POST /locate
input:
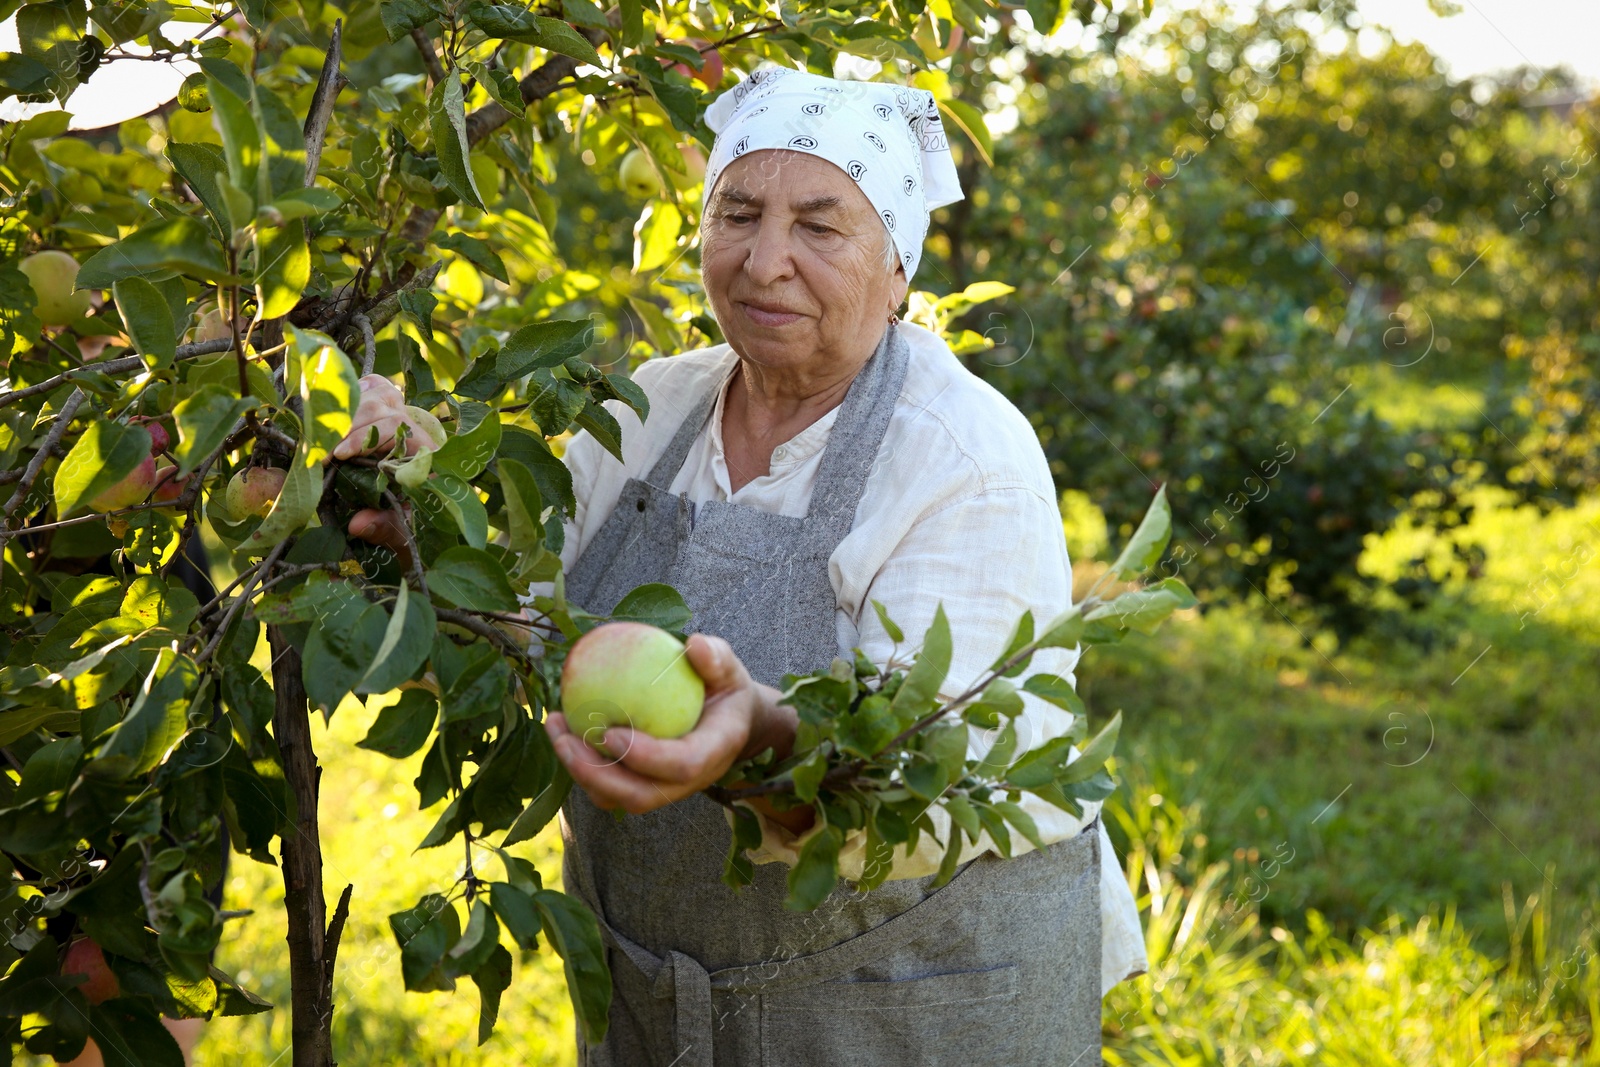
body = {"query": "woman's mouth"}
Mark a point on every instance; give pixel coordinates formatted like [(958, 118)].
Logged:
[(769, 316)]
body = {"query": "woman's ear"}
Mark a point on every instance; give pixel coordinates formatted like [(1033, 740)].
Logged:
[(899, 285)]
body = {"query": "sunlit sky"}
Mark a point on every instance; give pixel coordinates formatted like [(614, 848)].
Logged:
[(1486, 36)]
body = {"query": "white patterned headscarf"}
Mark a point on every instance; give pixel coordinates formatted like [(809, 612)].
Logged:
[(889, 138)]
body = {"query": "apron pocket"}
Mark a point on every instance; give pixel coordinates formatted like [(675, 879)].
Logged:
[(959, 1019)]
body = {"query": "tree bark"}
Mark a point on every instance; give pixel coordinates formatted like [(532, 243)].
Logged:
[(310, 955)]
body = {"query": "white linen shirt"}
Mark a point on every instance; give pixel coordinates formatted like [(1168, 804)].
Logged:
[(959, 510)]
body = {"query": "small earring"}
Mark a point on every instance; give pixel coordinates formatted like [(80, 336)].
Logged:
[(893, 318)]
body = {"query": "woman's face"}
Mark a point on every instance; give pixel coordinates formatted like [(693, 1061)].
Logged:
[(793, 261)]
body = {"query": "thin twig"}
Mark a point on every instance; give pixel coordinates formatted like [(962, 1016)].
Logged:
[(113, 366), (469, 621), (368, 340), (384, 311), (329, 82), (430, 58), (244, 595), (52, 439)]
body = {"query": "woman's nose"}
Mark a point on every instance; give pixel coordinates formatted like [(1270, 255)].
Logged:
[(771, 252)]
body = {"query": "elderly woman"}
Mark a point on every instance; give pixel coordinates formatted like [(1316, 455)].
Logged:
[(824, 457)]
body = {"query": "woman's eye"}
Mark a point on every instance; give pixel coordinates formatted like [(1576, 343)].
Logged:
[(819, 229)]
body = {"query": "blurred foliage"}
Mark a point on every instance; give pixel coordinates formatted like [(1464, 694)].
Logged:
[(1247, 242)]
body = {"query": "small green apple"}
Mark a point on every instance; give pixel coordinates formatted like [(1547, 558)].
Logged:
[(630, 674), (638, 175), (53, 273)]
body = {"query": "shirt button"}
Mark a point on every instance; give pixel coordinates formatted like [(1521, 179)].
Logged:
[(780, 452)]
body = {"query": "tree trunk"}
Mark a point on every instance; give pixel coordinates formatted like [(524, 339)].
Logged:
[(313, 944)]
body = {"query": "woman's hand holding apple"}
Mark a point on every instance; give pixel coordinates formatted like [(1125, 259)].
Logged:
[(740, 719)]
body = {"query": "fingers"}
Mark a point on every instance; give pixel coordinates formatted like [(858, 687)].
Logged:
[(697, 758), (609, 784), (714, 661), (355, 442), (383, 528)]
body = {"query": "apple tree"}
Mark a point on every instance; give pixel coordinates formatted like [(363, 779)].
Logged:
[(344, 275)]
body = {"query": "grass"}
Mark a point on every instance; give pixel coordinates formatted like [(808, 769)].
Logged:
[(1381, 854)]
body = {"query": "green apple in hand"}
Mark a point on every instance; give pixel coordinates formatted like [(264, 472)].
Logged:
[(630, 674)]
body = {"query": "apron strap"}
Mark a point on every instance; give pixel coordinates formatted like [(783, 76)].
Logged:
[(666, 468), (853, 445)]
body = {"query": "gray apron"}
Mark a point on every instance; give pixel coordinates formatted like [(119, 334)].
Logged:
[(1001, 966)]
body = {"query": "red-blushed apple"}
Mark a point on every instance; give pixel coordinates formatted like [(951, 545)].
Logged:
[(84, 957), (694, 165), (53, 274), (169, 487), (710, 72), (133, 488), (638, 175), (253, 491), (630, 674)]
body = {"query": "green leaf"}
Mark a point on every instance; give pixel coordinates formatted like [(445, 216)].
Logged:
[(479, 688), (424, 934), (402, 728), (283, 267), (502, 86), (544, 344), (448, 124), (969, 120), (921, 686), (235, 120), (202, 166), (205, 418), (602, 426), (21, 75), (808, 774), (1149, 540), (183, 245), (951, 860), (816, 873), (477, 252), (632, 23), (466, 454), (523, 505), (148, 318), (107, 452), (888, 624), (572, 929), (407, 640), (471, 578), (1021, 820), (328, 388), (519, 913), (1056, 690), (656, 604), (156, 721), (400, 17), (131, 1035), (1094, 754), (1020, 637), (338, 650), (460, 501), (550, 474), (1063, 631), (493, 978), (151, 602), (49, 33), (655, 236), (1143, 609), (963, 816), (998, 758), (540, 810), (557, 36)]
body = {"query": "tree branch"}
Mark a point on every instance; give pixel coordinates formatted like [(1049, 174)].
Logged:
[(329, 82), (384, 311), (114, 366), (430, 58), (52, 439)]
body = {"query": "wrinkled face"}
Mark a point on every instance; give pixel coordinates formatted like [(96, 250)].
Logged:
[(793, 259)]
